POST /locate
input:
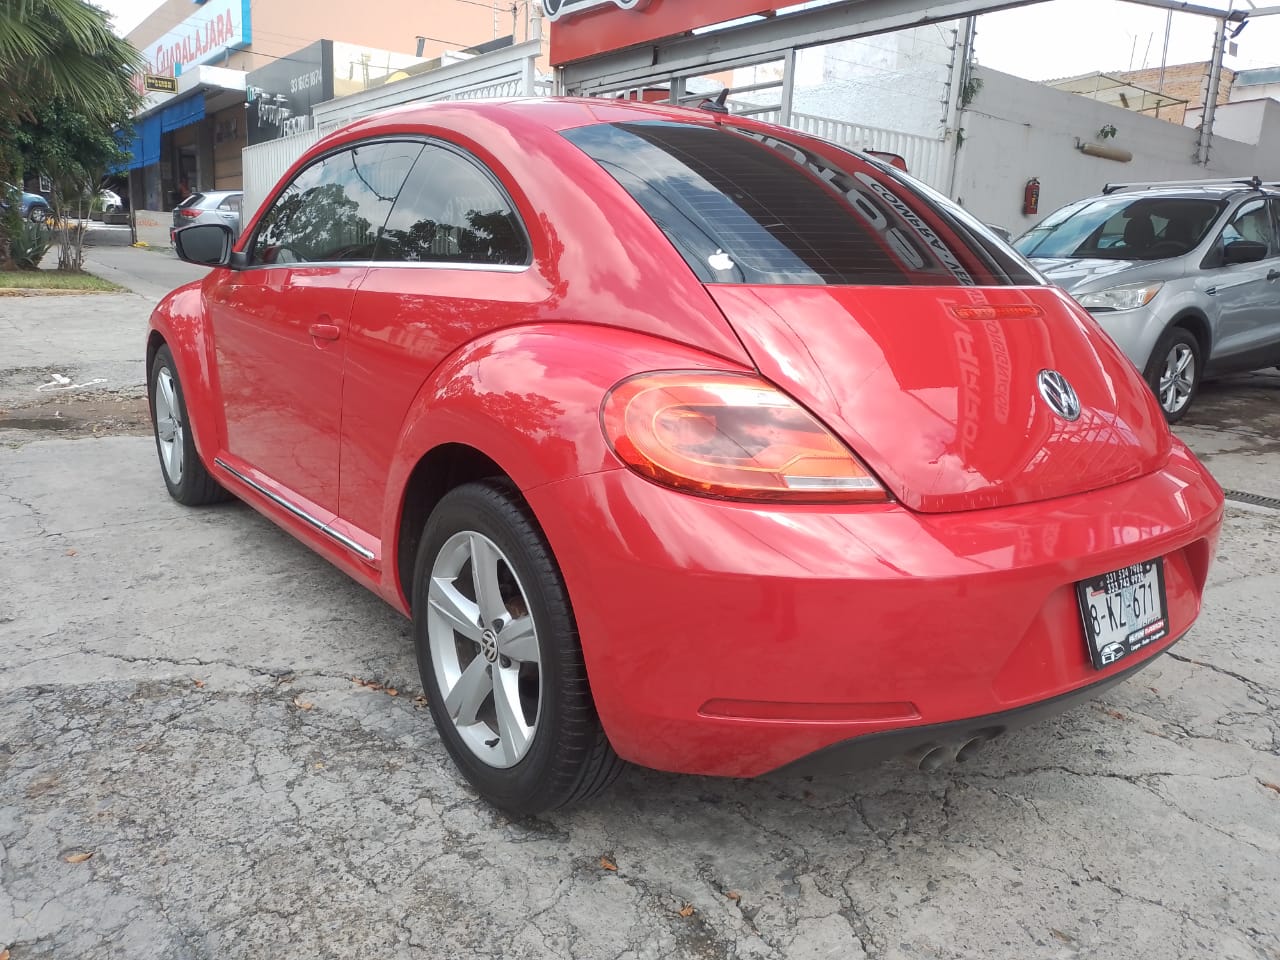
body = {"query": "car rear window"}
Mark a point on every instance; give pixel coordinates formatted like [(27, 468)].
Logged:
[(192, 201), (744, 207)]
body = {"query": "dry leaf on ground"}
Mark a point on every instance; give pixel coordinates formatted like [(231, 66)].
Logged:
[(687, 910), (4, 954), (376, 687), (80, 857), (734, 895), (1270, 786), (608, 863), (199, 683), (302, 704), (71, 553)]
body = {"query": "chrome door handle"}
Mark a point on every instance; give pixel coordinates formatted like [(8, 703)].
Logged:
[(1274, 275), (1212, 291), (324, 331)]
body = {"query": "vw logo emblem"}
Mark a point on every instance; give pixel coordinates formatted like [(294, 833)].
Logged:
[(1059, 394)]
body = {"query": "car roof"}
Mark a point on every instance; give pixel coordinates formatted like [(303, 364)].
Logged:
[(553, 113), (1221, 191)]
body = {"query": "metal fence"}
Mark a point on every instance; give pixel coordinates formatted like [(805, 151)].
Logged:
[(504, 73), (927, 159)]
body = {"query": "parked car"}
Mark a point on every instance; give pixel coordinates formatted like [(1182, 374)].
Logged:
[(34, 207), (212, 206), (1186, 278), (683, 439)]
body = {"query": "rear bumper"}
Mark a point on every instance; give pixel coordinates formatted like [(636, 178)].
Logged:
[(734, 639), (941, 742)]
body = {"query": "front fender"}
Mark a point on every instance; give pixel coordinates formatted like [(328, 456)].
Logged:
[(179, 320), (529, 399)]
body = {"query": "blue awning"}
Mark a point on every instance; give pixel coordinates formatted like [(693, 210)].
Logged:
[(182, 114), (144, 148)]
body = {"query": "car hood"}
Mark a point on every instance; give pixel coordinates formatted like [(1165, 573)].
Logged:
[(1073, 275), (936, 389)]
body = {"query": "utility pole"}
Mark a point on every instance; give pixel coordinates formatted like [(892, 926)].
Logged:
[(1204, 142), (1164, 57)]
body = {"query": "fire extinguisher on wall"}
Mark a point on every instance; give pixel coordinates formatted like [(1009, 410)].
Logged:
[(1031, 197)]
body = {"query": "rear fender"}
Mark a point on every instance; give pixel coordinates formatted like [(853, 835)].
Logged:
[(529, 399)]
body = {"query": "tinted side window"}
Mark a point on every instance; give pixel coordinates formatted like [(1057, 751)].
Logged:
[(1251, 222), (334, 208), (232, 203), (743, 207), (451, 211)]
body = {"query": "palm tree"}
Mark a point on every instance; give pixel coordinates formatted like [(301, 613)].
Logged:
[(63, 50), (57, 57)]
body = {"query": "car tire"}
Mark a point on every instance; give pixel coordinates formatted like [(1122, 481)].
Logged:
[(38, 214), (185, 475), (499, 656), (1175, 370)]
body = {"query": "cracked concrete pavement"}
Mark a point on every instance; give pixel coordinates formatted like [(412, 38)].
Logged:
[(178, 698)]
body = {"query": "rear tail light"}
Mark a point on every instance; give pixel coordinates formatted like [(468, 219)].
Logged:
[(732, 436), (189, 212)]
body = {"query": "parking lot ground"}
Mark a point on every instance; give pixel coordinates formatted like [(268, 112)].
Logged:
[(213, 745)]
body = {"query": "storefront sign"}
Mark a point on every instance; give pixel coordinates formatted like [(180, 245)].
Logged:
[(280, 95), (219, 26), (155, 83), (555, 9), (617, 24)]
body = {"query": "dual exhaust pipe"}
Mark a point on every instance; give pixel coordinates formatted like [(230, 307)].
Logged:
[(934, 756)]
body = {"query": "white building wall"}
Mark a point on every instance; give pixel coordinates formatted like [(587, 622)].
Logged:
[(896, 81), (1242, 121), (1016, 129), (1255, 91)]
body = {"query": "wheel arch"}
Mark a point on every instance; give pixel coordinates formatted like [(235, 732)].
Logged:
[(1197, 323), (177, 323), (441, 469)]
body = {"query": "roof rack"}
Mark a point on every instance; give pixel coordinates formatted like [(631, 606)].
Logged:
[(1250, 183)]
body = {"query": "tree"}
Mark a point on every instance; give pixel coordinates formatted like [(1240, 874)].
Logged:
[(63, 75), (62, 50), (74, 151)]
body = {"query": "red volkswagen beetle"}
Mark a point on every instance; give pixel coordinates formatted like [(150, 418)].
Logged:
[(684, 440)]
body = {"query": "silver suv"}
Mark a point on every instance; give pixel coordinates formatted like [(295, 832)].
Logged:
[(1184, 276)]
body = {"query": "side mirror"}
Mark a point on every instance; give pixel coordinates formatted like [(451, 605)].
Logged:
[(1244, 251), (206, 244)]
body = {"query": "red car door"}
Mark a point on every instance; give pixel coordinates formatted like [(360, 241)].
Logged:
[(452, 263), (279, 325)]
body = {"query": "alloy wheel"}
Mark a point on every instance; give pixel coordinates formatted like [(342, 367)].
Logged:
[(169, 427), (484, 649), (1178, 380)]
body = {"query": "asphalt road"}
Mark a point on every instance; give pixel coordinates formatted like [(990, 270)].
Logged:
[(201, 754)]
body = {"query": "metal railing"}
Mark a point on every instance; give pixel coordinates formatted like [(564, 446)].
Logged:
[(927, 159)]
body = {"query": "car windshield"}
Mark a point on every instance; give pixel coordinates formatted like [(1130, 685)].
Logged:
[(747, 207), (1122, 227)]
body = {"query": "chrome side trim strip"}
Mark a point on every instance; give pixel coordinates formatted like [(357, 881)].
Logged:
[(296, 511), (384, 264)]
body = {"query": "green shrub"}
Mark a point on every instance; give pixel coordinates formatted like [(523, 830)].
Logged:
[(29, 245)]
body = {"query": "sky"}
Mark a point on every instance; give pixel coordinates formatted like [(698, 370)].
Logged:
[(1059, 38), (1063, 38)]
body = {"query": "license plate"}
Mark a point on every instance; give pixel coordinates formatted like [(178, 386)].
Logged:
[(1123, 611)]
